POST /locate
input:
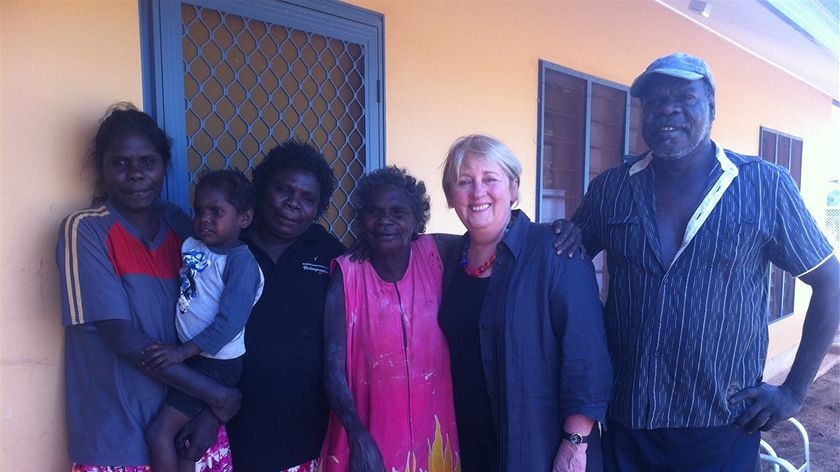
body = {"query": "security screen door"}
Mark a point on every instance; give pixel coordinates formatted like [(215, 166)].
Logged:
[(229, 80)]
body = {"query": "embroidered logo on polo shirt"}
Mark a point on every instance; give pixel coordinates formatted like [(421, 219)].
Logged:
[(321, 269)]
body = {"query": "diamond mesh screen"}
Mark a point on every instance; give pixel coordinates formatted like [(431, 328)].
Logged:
[(250, 85)]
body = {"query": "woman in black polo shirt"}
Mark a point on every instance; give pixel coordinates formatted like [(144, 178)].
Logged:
[(284, 411)]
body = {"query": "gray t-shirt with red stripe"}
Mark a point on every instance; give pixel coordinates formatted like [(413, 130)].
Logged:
[(109, 272)]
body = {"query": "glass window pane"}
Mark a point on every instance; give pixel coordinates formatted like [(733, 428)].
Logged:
[(569, 137), (606, 141), (785, 151), (637, 142), (767, 146), (563, 145), (796, 160)]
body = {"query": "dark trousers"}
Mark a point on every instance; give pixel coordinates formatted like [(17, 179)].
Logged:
[(595, 450), (717, 449)]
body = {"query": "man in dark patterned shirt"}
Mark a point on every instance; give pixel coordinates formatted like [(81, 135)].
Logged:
[(690, 231)]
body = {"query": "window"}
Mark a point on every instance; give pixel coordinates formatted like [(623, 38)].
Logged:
[(229, 80), (786, 151), (585, 127)]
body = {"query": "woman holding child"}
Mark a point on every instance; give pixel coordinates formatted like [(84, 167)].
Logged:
[(119, 262)]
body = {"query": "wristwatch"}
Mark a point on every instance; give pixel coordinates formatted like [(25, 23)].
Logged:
[(575, 438)]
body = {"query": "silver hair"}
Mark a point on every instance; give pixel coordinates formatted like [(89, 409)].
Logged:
[(483, 146)]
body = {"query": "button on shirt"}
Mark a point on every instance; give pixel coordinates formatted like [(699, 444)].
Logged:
[(685, 337)]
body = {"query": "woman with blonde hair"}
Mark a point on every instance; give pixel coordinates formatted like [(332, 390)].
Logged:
[(530, 367)]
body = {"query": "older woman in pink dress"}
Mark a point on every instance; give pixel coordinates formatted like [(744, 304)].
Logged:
[(387, 363)]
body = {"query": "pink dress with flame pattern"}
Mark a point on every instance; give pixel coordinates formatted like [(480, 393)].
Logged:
[(398, 367)]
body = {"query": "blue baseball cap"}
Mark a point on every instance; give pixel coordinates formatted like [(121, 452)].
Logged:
[(679, 65)]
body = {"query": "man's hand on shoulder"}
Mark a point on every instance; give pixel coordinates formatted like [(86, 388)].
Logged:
[(569, 240), (768, 405)]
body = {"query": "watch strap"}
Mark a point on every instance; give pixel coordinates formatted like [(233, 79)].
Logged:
[(575, 438)]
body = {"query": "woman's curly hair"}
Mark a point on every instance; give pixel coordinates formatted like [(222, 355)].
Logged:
[(294, 155), (395, 177)]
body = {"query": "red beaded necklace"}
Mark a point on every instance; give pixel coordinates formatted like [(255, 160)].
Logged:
[(465, 262)]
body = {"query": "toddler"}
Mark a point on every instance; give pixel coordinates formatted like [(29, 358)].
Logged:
[(220, 283)]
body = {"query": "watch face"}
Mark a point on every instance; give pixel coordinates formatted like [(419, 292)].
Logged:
[(575, 438)]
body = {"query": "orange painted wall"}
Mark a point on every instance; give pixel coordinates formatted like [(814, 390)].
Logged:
[(452, 67), (459, 67), (61, 64)]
